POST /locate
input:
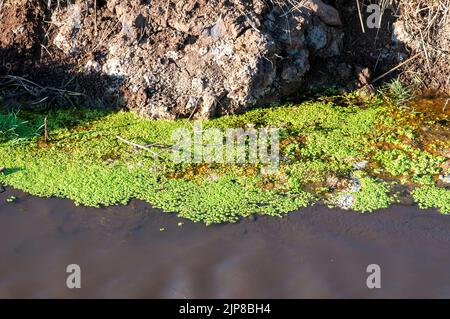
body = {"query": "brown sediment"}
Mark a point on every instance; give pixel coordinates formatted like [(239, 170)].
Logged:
[(315, 252), (433, 106), (436, 110), (429, 116)]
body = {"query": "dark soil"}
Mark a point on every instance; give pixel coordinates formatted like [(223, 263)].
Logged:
[(365, 55)]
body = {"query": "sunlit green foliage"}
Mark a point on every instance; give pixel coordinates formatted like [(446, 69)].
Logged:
[(430, 196), (373, 195), (84, 161)]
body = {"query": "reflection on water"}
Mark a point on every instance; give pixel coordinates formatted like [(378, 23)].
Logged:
[(435, 107), (432, 120), (317, 252)]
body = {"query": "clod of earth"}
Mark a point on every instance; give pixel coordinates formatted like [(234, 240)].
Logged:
[(182, 58)]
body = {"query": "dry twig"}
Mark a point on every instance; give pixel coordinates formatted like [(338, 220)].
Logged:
[(138, 146)]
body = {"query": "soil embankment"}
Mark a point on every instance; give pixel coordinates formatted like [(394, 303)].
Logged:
[(200, 59)]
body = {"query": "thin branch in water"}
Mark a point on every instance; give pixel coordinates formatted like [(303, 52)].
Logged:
[(138, 146)]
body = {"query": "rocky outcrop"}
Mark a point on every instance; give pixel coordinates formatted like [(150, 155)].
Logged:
[(193, 58)]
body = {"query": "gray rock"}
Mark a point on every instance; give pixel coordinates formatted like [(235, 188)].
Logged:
[(317, 37), (445, 178), (360, 165), (345, 201), (218, 30), (241, 51), (325, 12), (68, 24)]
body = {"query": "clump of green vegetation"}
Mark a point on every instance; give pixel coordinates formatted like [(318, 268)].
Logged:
[(399, 92), (371, 196), (83, 159), (398, 162), (13, 129), (227, 199), (430, 196)]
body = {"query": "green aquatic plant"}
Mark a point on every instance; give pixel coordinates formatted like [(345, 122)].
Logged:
[(371, 196), (224, 200), (84, 160), (430, 196), (396, 162), (414, 163)]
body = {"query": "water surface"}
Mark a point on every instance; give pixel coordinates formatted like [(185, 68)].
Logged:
[(315, 252)]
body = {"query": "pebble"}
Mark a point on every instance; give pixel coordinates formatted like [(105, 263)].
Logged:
[(360, 165), (445, 178), (345, 201)]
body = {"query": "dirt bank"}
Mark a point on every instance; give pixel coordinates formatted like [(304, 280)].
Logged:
[(169, 59), (316, 252), (203, 58)]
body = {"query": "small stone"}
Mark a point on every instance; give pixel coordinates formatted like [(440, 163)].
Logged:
[(325, 12), (317, 37), (218, 30), (345, 201), (360, 165), (11, 199), (92, 66), (355, 184), (445, 178)]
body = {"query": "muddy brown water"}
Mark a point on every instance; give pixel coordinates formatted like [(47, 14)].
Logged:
[(315, 252)]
